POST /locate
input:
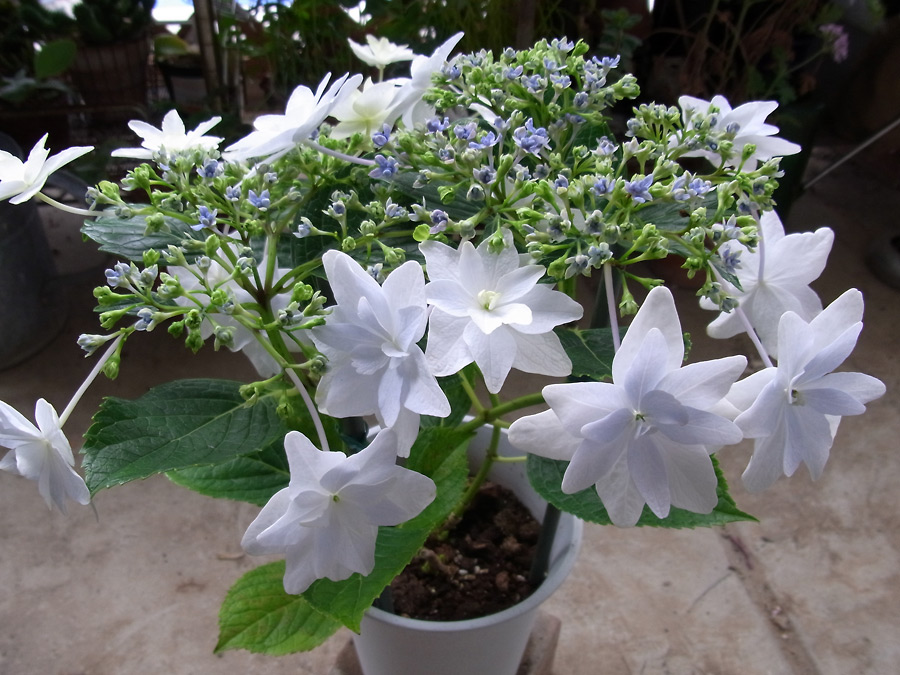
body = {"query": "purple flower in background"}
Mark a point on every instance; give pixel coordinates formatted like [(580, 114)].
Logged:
[(837, 40)]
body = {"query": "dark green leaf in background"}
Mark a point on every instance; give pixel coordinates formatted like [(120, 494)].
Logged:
[(128, 237), (591, 351)]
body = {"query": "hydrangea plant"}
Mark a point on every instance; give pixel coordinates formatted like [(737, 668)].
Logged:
[(390, 251)]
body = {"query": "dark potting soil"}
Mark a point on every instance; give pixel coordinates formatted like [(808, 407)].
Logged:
[(479, 567)]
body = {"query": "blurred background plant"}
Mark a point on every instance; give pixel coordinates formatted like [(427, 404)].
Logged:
[(746, 49)]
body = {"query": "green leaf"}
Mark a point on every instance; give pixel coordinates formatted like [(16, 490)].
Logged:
[(671, 216), (259, 616), (346, 601), (174, 426), (546, 477), (295, 251), (591, 351), (54, 58), (128, 237), (252, 478), (459, 208)]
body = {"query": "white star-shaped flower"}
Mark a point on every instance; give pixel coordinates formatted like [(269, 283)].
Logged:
[(380, 52), (365, 111), (170, 139), (490, 310), (410, 105), (20, 181), (646, 436), (375, 366), (775, 279), (793, 409), (41, 453), (326, 521), (275, 135), (747, 122)]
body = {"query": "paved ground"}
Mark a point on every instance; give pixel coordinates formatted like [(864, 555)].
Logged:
[(812, 589)]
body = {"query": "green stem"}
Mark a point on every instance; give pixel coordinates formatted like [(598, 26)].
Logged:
[(68, 209), (478, 479), (470, 392), (76, 397)]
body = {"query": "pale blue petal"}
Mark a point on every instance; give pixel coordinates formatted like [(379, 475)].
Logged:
[(493, 353), (703, 429), (541, 354), (549, 309), (830, 356), (809, 440), (579, 403), (756, 421), (447, 351), (648, 471), (620, 495), (542, 434), (692, 478), (658, 311), (518, 282), (441, 261), (767, 462), (592, 462), (831, 402), (700, 385), (647, 367), (863, 388)]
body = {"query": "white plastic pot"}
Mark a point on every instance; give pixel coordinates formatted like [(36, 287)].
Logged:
[(491, 645)]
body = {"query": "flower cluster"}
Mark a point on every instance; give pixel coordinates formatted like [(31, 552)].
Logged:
[(391, 250)]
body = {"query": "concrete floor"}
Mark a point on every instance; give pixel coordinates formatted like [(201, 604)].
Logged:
[(812, 588)]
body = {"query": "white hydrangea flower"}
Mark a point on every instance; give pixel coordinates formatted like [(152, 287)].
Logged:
[(748, 122), (326, 521), (410, 106), (275, 135), (773, 282), (375, 366), (793, 409), (171, 138), (20, 181), (490, 310), (380, 52), (41, 453), (367, 110), (645, 437)]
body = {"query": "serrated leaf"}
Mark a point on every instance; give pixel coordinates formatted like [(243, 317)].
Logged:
[(546, 477), (346, 601), (591, 351), (672, 216), (252, 478), (128, 237), (259, 616), (459, 209), (174, 426)]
